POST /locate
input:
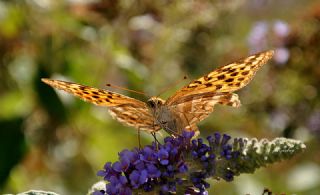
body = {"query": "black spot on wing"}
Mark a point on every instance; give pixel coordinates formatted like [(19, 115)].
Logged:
[(245, 73), (95, 92), (234, 74), (221, 77), (231, 70), (218, 86), (229, 80)]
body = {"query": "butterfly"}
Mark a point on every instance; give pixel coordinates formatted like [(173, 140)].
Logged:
[(183, 110)]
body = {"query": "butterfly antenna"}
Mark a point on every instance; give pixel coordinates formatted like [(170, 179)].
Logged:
[(126, 89), (170, 86)]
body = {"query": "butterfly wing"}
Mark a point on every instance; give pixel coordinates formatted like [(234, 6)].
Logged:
[(197, 99), (195, 109), (126, 110), (136, 117), (227, 78)]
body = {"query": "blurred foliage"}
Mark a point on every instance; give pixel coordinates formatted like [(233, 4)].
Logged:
[(52, 141)]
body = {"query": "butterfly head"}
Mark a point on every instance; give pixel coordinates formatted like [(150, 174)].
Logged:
[(155, 102)]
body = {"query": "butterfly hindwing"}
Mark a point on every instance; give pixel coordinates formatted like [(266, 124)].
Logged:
[(137, 117), (200, 107)]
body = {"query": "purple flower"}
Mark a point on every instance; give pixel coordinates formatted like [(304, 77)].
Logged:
[(120, 166), (153, 171), (225, 139), (261, 38), (281, 29), (130, 156), (183, 168), (163, 156), (107, 172), (149, 155), (117, 185), (281, 55), (257, 38), (138, 178), (167, 165)]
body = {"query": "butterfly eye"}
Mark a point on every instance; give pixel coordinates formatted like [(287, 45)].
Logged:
[(151, 104)]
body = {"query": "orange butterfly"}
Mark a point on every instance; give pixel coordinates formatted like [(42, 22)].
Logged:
[(187, 107)]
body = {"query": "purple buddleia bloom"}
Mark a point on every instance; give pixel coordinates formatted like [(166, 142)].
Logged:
[(153, 171), (120, 165), (116, 185), (217, 137), (107, 172), (281, 55), (183, 168), (264, 35), (131, 156), (138, 178), (225, 139), (257, 38), (281, 28), (139, 165), (187, 135), (149, 155), (179, 165), (163, 156)]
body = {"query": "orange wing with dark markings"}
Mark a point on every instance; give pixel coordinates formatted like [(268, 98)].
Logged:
[(228, 78), (196, 100), (126, 110)]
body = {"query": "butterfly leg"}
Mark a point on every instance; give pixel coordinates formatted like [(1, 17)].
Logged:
[(172, 132), (155, 139)]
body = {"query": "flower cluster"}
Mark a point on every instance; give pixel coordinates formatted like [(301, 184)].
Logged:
[(180, 165)]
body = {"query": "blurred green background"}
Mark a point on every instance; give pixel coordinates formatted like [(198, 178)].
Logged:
[(53, 141)]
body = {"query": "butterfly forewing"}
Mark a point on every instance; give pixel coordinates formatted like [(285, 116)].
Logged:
[(94, 95), (127, 110), (227, 78)]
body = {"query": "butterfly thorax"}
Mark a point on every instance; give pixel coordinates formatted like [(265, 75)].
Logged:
[(165, 116), (156, 106)]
